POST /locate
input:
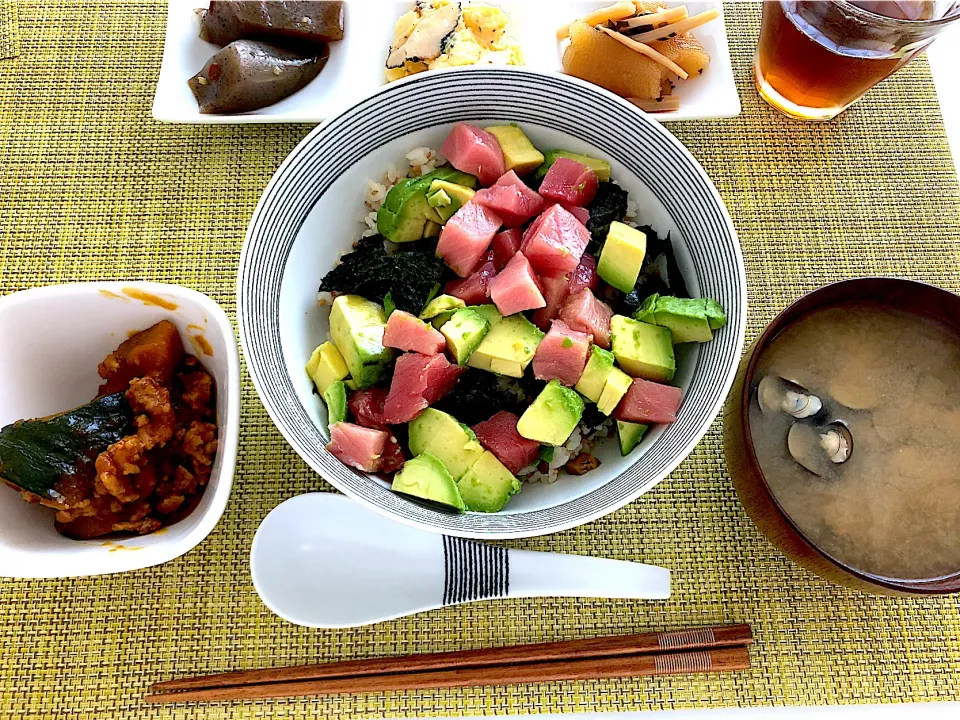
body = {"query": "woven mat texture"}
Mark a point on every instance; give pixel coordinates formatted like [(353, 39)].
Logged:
[(92, 188)]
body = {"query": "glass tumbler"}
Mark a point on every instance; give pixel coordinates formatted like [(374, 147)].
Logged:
[(815, 58)]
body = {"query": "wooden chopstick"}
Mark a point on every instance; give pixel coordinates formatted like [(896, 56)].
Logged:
[(619, 645), (697, 661)]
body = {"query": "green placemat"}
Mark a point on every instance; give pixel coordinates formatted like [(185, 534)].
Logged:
[(91, 187)]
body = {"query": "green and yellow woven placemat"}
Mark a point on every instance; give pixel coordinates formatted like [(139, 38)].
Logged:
[(92, 188)]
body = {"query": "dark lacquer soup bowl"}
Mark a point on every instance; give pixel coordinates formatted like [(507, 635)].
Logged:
[(781, 498)]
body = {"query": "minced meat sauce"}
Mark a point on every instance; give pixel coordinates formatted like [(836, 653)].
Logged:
[(155, 475)]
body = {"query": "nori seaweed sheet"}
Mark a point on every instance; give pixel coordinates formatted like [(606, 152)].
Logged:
[(409, 275), (609, 204), (592, 417), (477, 396), (659, 273)]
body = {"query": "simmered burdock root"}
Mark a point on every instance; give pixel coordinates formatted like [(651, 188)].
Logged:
[(153, 353), (309, 21), (249, 75)]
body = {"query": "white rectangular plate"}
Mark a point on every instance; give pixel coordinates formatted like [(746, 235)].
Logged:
[(355, 68)]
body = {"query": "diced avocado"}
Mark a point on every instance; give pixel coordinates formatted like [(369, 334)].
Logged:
[(489, 312), (356, 326), (616, 387), (438, 198), (432, 229), (402, 228), (546, 453), (440, 320), (600, 167), (622, 256), (456, 191), (445, 198), (552, 416), (326, 366), (645, 313), (519, 154), (335, 397), (388, 305), (643, 350), (351, 384), (487, 486), (508, 348), (441, 304), (426, 478), (595, 374), (686, 319), (629, 435), (404, 213), (451, 442), (716, 316), (464, 333)]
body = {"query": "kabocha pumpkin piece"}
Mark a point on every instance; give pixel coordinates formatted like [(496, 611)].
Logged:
[(153, 353), (248, 75), (38, 455), (133, 460), (310, 21)]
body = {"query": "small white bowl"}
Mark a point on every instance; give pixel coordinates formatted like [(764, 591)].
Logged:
[(55, 338)]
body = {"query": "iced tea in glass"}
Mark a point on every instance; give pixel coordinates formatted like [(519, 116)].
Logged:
[(815, 58)]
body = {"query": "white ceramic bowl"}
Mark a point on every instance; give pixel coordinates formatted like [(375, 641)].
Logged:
[(55, 338), (309, 215)]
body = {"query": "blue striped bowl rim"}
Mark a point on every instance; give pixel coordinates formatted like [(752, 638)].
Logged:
[(552, 101)]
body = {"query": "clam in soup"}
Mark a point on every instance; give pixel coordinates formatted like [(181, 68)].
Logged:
[(855, 423)]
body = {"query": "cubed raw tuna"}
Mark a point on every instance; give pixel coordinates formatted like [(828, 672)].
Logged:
[(580, 213), (648, 403), (393, 457), (506, 244), (407, 333), (512, 200), (569, 182), (366, 406), (556, 243), (556, 290), (466, 237), (516, 289), (585, 276), (359, 447), (582, 311), (473, 150), (418, 382), (475, 288), (561, 355), (499, 435)]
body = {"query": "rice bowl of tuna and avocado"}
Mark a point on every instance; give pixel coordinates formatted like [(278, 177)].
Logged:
[(491, 309), (489, 263)]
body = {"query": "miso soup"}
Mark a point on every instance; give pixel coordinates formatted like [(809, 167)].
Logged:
[(886, 501)]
